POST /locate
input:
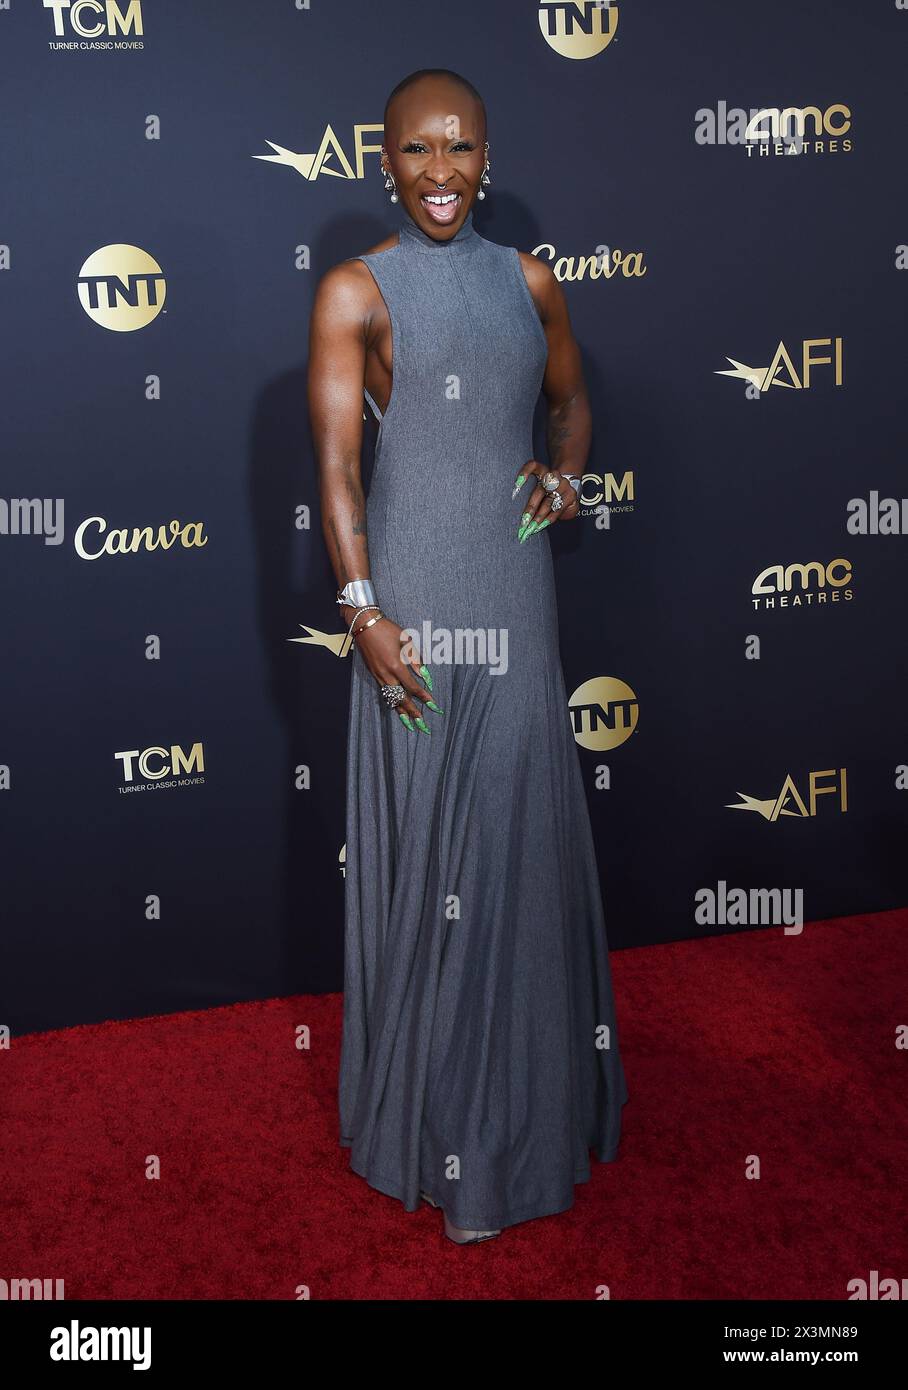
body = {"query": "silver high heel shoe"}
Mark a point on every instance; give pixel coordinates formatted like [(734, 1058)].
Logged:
[(457, 1233)]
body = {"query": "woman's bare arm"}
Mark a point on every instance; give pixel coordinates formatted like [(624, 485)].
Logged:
[(338, 343), (570, 421), (337, 359)]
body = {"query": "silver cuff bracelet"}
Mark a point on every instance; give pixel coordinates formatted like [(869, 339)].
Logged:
[(357, 594)]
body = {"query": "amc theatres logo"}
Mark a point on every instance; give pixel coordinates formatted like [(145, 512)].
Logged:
[(154, 769), (803, 585)]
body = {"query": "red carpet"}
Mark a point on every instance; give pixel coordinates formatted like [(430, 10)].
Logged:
[(748, 1044)]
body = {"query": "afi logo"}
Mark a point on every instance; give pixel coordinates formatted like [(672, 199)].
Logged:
[(330, 157), (782, 371), (776, 806)]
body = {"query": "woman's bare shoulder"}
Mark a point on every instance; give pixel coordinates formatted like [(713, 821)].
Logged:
[(351, 282)]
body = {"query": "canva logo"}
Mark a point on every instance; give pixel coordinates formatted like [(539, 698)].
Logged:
[(789, 796), (602, 264), (93, 539), (604, 713), (90, 19), (578, 28), (781, 370), (121, 287)]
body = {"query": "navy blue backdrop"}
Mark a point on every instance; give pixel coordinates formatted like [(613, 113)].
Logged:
[(171, 759)]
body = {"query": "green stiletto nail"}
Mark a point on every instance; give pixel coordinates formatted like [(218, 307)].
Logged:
[(426, 675), (524, 523), (543, 524), (421, 724), (518, 485), (432, 705), (529, 531), (406, 720)]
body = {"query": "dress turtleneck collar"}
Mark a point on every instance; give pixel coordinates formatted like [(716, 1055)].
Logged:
[(463, 239)]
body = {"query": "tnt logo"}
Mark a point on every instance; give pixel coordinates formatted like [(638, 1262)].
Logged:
[(108, 18), (578, 28), (603, 713), (122, 288)]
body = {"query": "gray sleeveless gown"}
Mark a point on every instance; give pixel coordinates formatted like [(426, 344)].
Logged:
[(479, 1058)]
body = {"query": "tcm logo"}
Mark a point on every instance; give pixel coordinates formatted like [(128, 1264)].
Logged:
[(604, 489), (161, 767), (578, 28), (122, 288), (793, 124), (603, 713), (90, 19), (803, 583), (782, 371), (330, 158), (789, 797)]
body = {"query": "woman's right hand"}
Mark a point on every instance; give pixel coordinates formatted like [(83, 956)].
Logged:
[(382, 649)]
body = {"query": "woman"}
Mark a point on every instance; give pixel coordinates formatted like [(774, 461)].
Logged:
[(479, 1060)]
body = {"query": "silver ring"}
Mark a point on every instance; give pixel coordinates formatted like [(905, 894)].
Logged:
[(557, 502), (393, 695), (551, 482)]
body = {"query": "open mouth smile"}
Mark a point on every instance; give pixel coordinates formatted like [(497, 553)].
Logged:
[(441, 207)]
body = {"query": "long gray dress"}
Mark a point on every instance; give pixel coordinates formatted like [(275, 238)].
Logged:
[(480, 1058)]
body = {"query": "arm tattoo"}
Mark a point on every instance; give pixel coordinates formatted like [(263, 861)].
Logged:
[(358, 516), (558, 431)]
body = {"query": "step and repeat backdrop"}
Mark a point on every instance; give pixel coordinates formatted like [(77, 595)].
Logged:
[(721, 192)]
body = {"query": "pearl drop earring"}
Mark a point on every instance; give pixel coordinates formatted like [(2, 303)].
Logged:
[(485, 174), (390, 184)]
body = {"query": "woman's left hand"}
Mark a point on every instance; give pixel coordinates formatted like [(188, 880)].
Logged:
[(538, 510)]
